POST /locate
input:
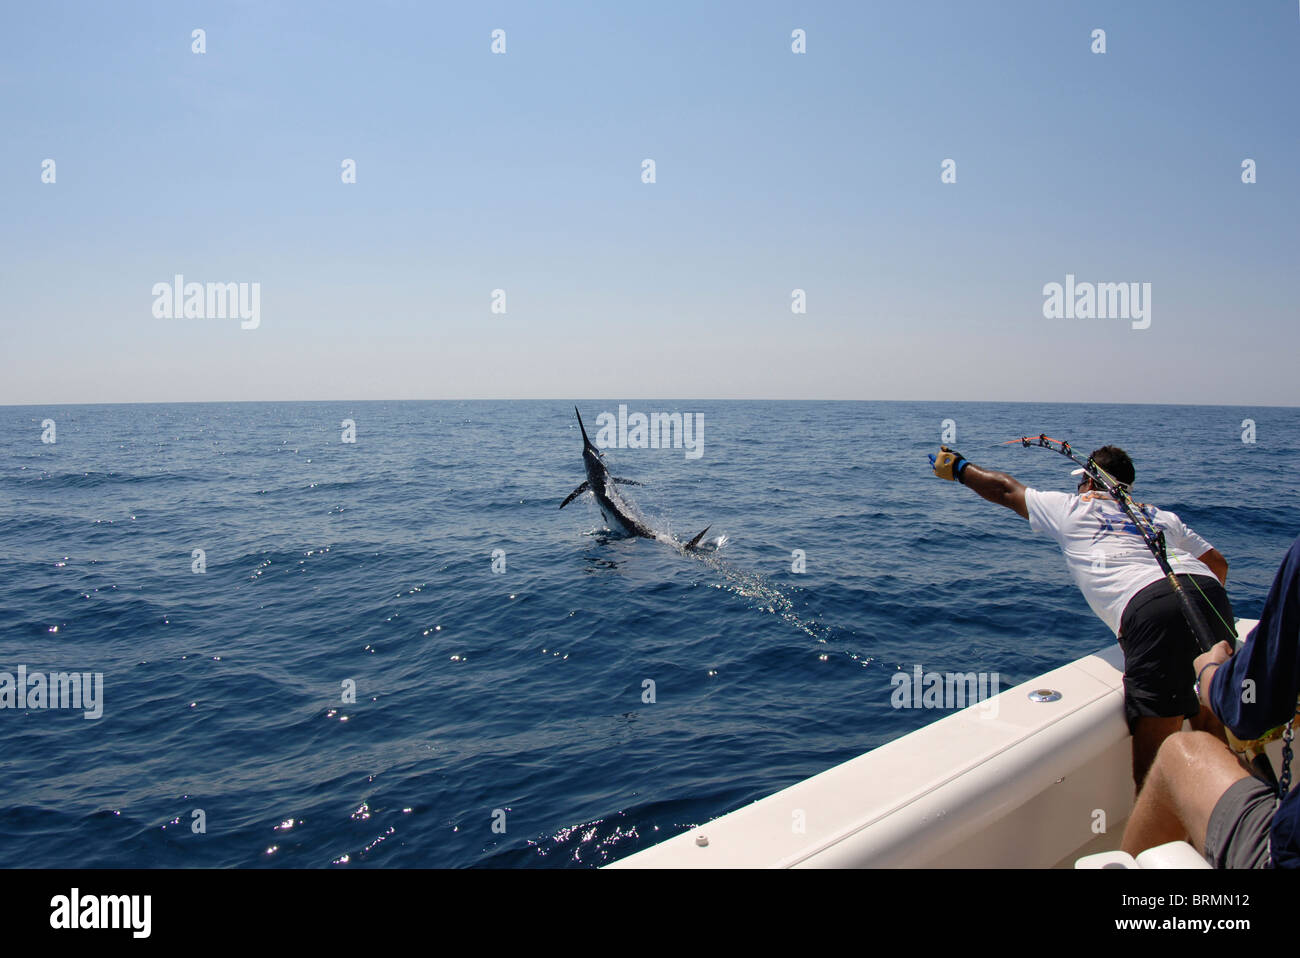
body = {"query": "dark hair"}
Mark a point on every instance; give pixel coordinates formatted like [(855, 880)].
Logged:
[(1114, 460)]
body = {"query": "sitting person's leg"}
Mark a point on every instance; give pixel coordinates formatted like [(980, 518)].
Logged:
[(1189, 776), (1197, 789)]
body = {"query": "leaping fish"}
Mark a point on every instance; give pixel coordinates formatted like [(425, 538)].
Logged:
[(601, 485)]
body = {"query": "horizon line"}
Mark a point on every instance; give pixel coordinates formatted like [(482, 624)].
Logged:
[(569, 399)]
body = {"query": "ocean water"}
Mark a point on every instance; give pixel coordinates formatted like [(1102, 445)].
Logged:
[(500, 717)]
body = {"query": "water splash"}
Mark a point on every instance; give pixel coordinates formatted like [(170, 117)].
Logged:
[(758, 591)]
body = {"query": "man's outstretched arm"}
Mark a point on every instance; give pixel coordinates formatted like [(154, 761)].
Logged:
[(994, 486)]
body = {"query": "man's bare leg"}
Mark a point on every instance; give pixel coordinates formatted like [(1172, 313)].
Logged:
[(1207, 721), (1189, 776), (1148, 732)]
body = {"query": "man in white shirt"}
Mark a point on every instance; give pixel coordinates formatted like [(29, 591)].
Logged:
[(1111, 564)]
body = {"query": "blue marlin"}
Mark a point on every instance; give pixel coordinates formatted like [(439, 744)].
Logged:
[(618, 516)]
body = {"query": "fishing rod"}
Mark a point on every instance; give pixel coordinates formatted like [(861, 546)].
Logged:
[(1151, 534), (1252, 750)]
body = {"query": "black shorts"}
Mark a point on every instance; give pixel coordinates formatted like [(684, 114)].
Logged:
[(1159, 647)]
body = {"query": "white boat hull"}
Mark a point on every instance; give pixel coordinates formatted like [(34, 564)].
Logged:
[(1008, 783)]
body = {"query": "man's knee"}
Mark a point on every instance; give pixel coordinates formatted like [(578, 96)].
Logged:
[(1186, 748)]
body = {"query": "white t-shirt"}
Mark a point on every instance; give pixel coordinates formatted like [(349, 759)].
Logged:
[(1106, 554)]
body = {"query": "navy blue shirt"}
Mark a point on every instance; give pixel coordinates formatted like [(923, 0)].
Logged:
[(1270, 658)]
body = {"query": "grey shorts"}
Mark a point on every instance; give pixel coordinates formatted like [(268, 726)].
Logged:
[(1237, 833)]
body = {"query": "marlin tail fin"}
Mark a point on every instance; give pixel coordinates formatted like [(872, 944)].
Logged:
[(696, 541)]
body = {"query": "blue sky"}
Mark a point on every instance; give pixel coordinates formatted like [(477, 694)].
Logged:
[(775, 171)]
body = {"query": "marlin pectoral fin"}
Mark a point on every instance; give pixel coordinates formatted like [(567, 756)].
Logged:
[(626, 482), (696, 541), (585, 487)]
